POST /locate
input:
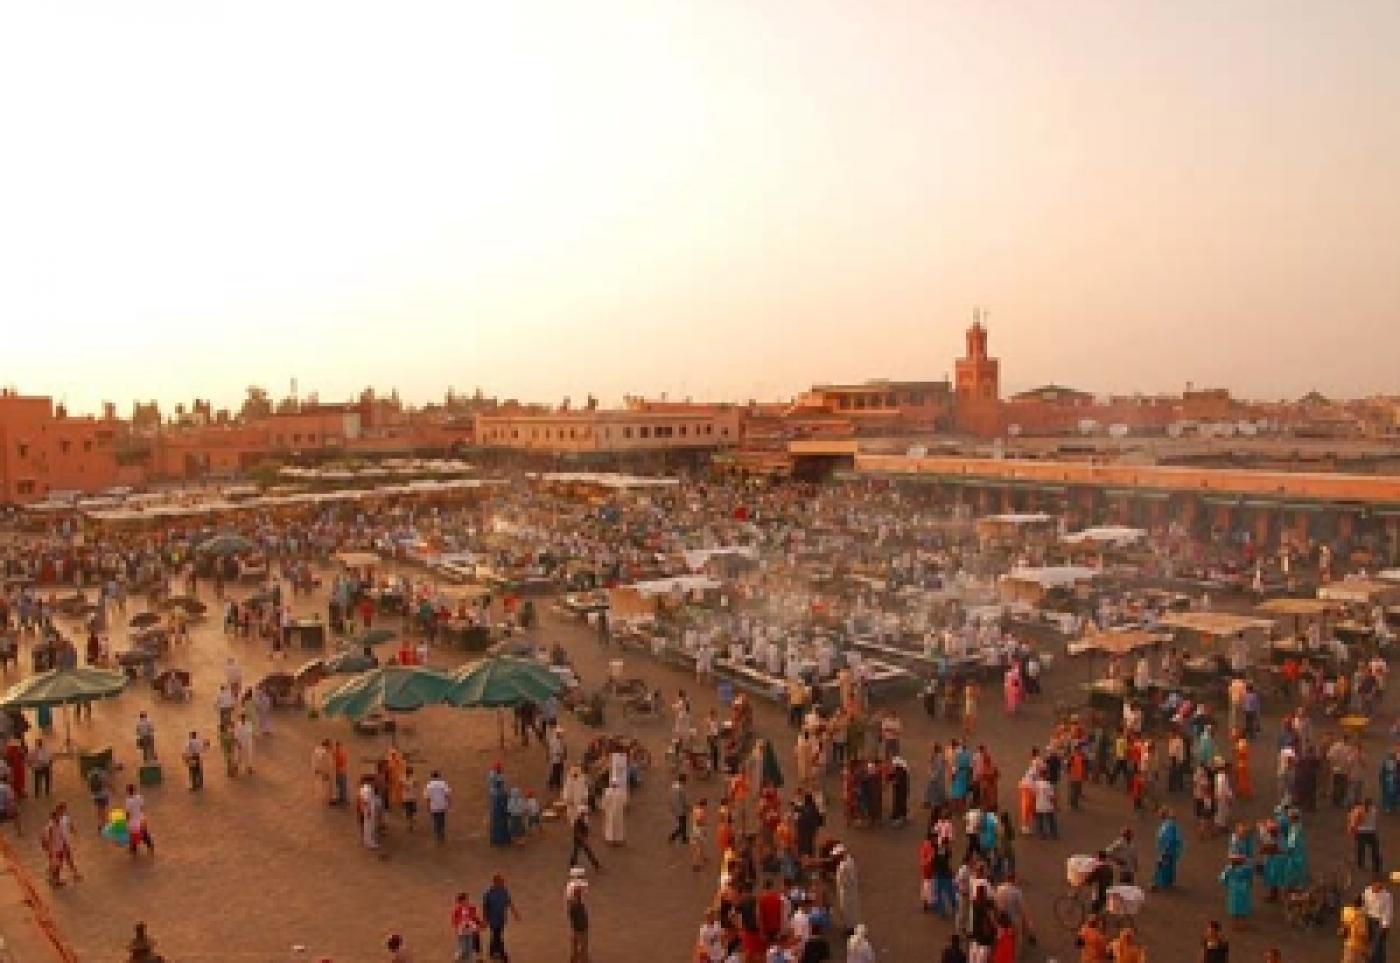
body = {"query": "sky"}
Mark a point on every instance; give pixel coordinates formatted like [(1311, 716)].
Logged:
[(722, 199)]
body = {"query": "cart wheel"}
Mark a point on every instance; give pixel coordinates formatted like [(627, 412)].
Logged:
[(1069, 911)]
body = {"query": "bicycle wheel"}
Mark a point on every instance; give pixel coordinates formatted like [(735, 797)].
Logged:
[(1069, 911)]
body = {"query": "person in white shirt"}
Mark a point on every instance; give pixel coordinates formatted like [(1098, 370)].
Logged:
[(138, 831), (1380, 911), (438, 795)]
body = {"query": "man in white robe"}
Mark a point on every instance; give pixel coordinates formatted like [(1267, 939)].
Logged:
[(614, 807)]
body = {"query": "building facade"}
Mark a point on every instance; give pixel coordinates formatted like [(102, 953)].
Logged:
[(43, 451), (612, 432)]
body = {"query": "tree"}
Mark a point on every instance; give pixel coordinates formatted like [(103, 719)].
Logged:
[(265, 473)]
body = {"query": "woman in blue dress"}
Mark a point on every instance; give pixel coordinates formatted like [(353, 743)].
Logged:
[(962, 773), (500, 809), (1238, 880), (1169, 847)]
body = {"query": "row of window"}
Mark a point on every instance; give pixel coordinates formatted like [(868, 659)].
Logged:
[(64, 446), (605, 434), (877, 401)]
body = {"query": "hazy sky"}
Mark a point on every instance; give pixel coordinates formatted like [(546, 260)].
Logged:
[(717, 199)]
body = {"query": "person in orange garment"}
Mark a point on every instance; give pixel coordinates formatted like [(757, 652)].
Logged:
[(1244, 788)]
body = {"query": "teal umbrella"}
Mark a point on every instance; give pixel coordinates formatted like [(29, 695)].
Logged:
[(62, 687), (502, 682), (373, 637), (389, 688)]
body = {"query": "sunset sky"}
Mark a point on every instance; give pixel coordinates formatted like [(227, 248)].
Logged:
[(715, 199)]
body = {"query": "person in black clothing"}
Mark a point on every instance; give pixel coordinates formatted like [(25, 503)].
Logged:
[(984, 919), (899, 792), (1101, 879), (953, 952), (817, 949), (1214, 947), (809, 821), (581, 830)]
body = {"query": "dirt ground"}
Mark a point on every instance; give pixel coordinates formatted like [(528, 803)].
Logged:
[(257, 868)]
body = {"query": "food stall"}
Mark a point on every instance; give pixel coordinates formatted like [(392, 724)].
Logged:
[(1230, 643), (1016, 529)]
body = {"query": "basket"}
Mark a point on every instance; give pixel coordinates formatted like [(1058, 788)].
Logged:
[(1078, 868), (1125, 900)]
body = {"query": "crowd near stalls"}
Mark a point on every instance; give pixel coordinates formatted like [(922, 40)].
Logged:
[(1158, 666)]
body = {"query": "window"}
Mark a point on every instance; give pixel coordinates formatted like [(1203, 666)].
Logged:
[(23, 450), (515, 434), (724, 432), (891, 401), (644, 431), (684, 430), (25, 488), (627, 433), (87, 446), (296, 438), (65, 446), (844, 403)]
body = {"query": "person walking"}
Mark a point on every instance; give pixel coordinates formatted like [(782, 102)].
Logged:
[(438, 794), (680, 812), (41, 763), (1363, 825), (498, 908), (580, 840), (576, 910), (146, 738), (466, 929), (138, 828), (1380, 912), (195, 748)]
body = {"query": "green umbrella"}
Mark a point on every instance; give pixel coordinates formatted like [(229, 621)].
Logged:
[(373, 637), (63, 687), (502, 682), (226, 545), (390, 688)]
